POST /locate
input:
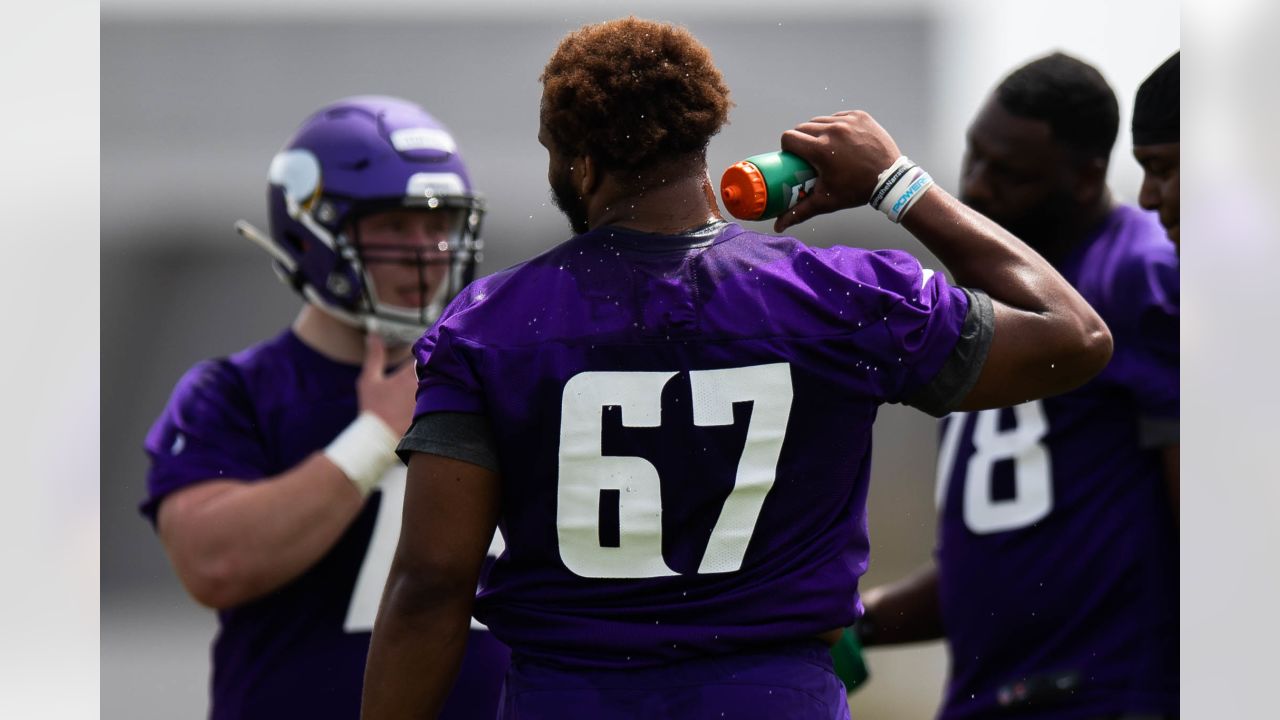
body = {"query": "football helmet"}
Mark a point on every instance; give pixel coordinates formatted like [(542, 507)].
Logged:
[(350, 159)]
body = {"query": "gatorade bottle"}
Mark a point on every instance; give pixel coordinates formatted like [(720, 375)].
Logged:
[(765, 186), (847, 658)]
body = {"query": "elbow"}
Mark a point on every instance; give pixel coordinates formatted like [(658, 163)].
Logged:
[(428, 589), (1091, 351), (1096, 348), (215, 581)]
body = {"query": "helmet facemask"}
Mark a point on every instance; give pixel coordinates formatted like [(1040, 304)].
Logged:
[(352, 160), (406, 285)]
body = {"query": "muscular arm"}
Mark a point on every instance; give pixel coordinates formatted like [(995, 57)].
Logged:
[(1047, 339), (232, 541), (904, 611), (450, 512)]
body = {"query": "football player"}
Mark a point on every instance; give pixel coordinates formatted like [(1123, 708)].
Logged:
[(669, 416), (1056, 574), (274, 484), (1156, 139)]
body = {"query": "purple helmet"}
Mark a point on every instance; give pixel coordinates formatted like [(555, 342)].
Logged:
[(352, 158)]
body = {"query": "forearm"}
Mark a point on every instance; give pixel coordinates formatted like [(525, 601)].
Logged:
[(450, 512), (981, 254), (417, 646), (905, 611), (233, 541)]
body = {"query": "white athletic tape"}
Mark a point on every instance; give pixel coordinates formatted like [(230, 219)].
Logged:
[(364, 451)]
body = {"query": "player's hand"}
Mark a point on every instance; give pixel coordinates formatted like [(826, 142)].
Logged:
[(390, 397), (849, 150)]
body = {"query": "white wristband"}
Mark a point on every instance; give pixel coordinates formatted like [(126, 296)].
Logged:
[(906, 193), (888, 179), (364, 451)]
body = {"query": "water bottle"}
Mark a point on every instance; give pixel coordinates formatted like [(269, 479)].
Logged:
[(765, 186), (847, 658)]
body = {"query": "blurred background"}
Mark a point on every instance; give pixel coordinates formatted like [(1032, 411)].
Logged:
[(197, 97)]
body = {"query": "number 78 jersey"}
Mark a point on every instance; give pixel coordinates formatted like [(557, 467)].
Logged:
[(683, 429), (1057, 549), (1057, 558)]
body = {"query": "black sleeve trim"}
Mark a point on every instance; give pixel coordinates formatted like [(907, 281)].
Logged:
[(961, 370), (461, 436)]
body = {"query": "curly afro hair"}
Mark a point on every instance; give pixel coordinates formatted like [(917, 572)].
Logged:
[(631, 93)]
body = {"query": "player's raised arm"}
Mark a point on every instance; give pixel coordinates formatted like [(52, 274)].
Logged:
[(231, 541), (1047, 339), (450, 512)]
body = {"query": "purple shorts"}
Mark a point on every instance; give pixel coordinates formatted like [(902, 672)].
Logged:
[(792, 681)]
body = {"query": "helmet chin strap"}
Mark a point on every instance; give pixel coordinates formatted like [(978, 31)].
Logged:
[(395, 333)]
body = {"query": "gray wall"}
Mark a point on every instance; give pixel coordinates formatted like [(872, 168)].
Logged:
[(191, 114)]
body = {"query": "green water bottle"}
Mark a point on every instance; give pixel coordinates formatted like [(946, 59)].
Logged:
[(847, 658), (765, 186)]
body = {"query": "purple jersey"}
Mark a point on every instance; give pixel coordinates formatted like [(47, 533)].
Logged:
[(786, 682), (683, 427), (1058, 550), (300, 650)]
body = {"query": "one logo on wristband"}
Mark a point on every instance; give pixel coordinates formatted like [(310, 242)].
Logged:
[(911, 191)]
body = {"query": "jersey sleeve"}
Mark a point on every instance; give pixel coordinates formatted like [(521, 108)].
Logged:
[(1143, 315), (461, 436), (208, 431), (930, 339), (447, 377)]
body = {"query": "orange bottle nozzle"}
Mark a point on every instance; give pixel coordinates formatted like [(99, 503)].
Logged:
[(743, 190)]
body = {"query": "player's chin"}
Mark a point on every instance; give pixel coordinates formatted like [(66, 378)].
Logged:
[(412, 297), (1172, 231)]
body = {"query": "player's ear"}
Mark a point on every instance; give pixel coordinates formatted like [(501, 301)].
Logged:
[(588, 178)]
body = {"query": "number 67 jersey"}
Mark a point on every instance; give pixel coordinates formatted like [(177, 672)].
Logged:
[(1058, 549), (683, 429)]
